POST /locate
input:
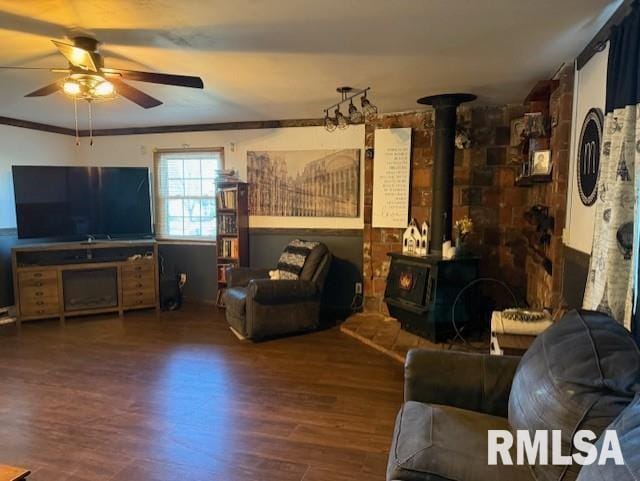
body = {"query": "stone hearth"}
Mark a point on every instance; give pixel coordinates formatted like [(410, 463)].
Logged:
[(384, 334)]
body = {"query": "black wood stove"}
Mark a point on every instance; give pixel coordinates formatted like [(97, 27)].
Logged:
[(421, 290)]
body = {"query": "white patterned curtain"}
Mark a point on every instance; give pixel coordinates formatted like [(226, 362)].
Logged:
[(614, 257)]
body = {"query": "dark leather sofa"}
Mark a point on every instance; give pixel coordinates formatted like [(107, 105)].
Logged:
[(258, 307), (581, 373)]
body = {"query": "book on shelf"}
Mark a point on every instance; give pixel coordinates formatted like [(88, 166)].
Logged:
[(229, 248), (227, 224), (227, 198)]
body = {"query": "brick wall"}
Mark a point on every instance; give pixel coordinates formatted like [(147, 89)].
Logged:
[(377, 242), (544, 290), (484, 190)]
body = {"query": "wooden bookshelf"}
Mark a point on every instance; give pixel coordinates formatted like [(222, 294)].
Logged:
[(232, 242)]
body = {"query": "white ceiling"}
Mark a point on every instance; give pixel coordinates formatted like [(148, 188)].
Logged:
[(283, 59)]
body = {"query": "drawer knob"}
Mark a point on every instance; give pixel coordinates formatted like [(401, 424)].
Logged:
[(40, 303), (39, 293), (37, 274)]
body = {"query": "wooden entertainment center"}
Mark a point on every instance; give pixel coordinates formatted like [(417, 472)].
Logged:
[(80, 278)]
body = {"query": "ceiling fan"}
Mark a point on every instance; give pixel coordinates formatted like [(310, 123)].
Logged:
[(88, 79)]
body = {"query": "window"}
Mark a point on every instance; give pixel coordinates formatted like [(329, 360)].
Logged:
[(185, 193)]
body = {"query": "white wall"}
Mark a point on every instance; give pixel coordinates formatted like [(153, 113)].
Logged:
[(589, 92), (137, 150), (20, 146)]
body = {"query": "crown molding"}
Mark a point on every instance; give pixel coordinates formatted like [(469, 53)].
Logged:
[(27, 124), (164, 129)]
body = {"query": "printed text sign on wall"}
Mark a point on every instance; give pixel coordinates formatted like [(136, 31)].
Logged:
[(391, 172)]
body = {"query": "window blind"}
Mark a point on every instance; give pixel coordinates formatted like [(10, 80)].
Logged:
[(185, 183)]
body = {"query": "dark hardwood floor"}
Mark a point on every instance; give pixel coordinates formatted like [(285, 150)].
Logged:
[(177, 396)]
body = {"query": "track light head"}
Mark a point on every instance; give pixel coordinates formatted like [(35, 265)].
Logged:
[(368, 109), (329, 123), (355, 116), (341, 120)]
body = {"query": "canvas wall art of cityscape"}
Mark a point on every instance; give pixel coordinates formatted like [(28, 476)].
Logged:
[(304, 183)]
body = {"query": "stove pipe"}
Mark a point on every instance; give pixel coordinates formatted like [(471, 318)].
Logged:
[(445, 106)]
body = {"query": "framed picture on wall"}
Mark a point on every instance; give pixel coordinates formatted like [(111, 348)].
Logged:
[(517, 132), (541, 165), (304, 183)]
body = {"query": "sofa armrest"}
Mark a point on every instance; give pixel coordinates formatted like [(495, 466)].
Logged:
[(477, 382), (266, 291), (240, 276)]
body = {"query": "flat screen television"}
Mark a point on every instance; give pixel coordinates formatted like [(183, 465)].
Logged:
[(73, 203)]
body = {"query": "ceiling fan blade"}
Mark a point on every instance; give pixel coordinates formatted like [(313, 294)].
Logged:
[(76, 56), (157, 78), (52, 69), (135, 95), (46, 90)]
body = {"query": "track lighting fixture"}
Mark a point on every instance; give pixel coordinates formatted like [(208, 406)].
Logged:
[(355, 116)]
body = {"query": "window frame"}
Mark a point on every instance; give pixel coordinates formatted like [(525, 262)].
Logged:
[(173, 239)]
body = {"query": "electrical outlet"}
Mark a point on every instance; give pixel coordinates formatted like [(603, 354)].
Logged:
[(358, 287)]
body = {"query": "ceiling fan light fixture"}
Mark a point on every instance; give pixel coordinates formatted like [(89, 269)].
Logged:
[(91, 87), (104, 89), (71, 88)]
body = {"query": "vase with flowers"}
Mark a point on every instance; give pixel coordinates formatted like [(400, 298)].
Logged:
[(462, 228)]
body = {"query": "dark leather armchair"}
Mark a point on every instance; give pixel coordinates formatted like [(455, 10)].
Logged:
[(258, 307), (451, 400), (581, 373)]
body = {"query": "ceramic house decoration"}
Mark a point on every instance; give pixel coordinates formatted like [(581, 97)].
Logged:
[(411, 239), (424, 239)]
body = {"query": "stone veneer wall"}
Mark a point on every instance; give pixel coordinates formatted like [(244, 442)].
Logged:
[(484, 190)]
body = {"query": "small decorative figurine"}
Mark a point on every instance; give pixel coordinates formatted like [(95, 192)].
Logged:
[(424, 241), (411, 239)]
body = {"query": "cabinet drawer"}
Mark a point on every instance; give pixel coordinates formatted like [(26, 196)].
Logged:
[(30, 277), (138, 267), (38, 282), (139, 276), (35, 293), (143, 282), (138, 297), (39, 308), (139, 303)]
